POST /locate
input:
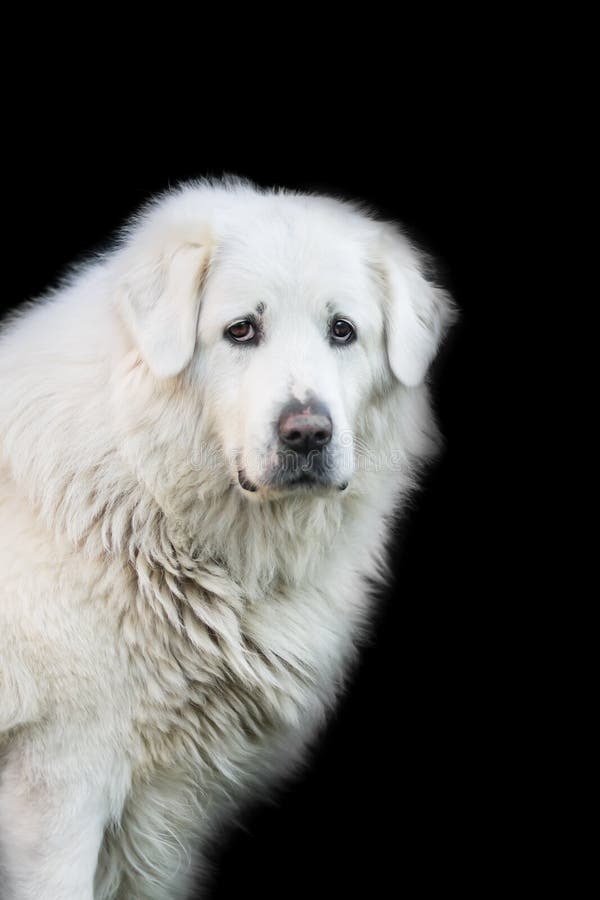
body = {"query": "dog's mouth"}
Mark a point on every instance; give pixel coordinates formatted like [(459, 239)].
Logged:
[(302, 479), (286, 471)]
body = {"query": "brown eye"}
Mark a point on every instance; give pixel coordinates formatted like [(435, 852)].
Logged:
[(342, 331), (242, 332)]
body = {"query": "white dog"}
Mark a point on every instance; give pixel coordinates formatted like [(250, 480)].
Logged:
[(203, 437)]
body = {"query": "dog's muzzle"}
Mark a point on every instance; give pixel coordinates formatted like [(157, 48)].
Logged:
[(303, 458)]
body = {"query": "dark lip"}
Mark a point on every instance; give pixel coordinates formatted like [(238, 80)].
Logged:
[(245, 482)]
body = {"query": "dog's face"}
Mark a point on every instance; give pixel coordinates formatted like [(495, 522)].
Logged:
[(294, 312), (290, 344)]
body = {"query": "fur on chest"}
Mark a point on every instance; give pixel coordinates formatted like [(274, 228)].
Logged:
[(216, 674)]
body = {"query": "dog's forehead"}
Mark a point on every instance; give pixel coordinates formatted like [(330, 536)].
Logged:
[(285, 259)]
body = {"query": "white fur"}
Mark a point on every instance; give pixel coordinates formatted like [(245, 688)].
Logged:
[(168, 641)]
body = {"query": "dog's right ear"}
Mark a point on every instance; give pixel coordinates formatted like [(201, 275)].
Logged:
[(159, 296)]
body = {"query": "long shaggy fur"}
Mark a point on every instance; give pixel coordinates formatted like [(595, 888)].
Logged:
[(169, 642)]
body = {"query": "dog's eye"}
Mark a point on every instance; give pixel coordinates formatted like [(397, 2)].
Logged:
[(342, 331), (242, 332)]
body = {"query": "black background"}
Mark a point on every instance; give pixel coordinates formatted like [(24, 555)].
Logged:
[(405, 787)]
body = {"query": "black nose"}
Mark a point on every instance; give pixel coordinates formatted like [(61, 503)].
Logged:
[(305, 426)]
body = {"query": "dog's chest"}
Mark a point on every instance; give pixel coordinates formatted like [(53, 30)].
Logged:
[(218, 681)]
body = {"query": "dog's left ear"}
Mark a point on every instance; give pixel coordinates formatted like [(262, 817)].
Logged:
[(418, 312), (160, 300)]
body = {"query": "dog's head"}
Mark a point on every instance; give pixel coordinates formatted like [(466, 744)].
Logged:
[(289, 313)]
